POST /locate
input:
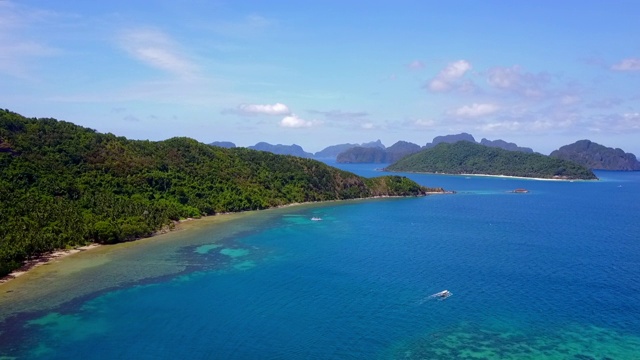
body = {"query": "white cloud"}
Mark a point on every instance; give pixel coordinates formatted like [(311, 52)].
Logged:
[(448, 77), (526, 120), (293, 121), (630, 64), (367, 126), (476, 110), (26, 49), (543, 125), (340, 115), (156, 49), (500, 126), (606, 103), (504, 77), (619, 123), (515, 80), (416, 65), (570, 100), (438, 85), (426, 123), (8, 15), (17, 46), (455, 69), (275, 109)]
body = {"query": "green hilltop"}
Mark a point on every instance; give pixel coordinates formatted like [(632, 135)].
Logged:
[(62, 185), (464, 157)]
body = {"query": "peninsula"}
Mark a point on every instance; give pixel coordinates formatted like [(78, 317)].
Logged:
[(64, 186), (464, 157)]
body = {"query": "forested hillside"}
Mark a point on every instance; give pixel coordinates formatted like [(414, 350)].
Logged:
[(63, 185), (465, 157)]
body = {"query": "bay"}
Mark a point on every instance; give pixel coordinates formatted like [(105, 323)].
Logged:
[(553, 273)]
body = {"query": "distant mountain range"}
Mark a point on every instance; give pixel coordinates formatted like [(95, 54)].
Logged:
[(370, 152), (468, 137), (583, 152), (596, 156), (378, 155), (501, 144), (223, 144), (280, 149), (403, 148), (331, 152), (450, 139)]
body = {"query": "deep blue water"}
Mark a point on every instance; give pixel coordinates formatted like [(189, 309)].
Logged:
[(554, 273)]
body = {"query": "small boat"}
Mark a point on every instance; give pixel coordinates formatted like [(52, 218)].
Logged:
[(442, 295), (316, 218)]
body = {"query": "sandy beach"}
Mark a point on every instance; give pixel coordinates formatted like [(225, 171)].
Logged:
[(45, 259), (501, 176), (520, 177)]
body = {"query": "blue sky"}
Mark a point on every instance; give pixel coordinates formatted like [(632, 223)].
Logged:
[(539, 73)]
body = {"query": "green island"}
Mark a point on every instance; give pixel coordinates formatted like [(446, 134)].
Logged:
[(464, 157), (63, 185)]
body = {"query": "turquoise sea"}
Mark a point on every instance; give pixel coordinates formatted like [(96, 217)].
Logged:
[(551, 274)]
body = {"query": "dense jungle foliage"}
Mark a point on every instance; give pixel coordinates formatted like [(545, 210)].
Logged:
[(62, 185), (464, 157)]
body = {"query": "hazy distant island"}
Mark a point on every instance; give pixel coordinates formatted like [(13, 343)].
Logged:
[(295, 150), (596, 156), (464, 157), (373, 152), (505, 145), (224, 144), (378, 155), (450, 139), (362, 155), (454, 138), (332, 152), (63, 185)]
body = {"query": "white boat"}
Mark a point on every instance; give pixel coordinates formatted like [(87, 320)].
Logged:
[(316, 218), (442, 295)]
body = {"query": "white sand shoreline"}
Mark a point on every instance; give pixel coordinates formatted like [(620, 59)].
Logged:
[(45, 259), (60, 254), (522, 177), (502, 176)]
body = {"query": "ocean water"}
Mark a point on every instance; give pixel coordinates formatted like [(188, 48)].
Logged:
[(551, 274)]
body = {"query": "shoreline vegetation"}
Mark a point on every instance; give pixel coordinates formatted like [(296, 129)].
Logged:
[(464, 157), (65, 186), (60, 254)]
